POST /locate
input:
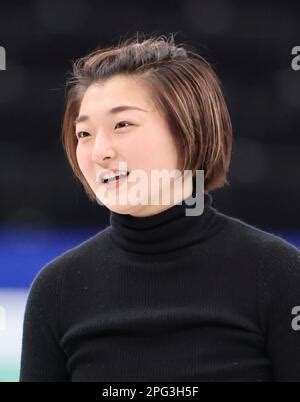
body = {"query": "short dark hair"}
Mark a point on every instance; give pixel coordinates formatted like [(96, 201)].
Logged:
[(185, 88)]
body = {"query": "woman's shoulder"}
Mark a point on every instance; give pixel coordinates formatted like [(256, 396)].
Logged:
[(243, 234), (49, 277)]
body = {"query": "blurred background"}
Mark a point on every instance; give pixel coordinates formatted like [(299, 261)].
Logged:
[(44, 210)]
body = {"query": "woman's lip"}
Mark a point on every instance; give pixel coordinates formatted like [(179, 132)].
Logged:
[(105, 173), (115, 183)]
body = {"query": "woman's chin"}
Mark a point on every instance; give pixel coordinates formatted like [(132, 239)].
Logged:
[(120, 209)]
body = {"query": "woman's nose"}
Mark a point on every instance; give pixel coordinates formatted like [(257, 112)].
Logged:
[(102, 149)]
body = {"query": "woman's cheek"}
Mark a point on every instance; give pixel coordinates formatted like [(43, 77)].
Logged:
[(83, 160)]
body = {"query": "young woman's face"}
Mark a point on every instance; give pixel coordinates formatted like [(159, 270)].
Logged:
[(140, 138)]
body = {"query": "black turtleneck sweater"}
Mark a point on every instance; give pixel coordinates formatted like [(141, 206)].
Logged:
[(167, 297)]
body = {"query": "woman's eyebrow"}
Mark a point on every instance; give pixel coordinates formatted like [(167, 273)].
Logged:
[(114, 110)]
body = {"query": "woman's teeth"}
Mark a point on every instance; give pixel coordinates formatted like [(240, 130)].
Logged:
[(110, 179)]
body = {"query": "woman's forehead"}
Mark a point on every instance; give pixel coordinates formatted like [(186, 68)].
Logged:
[(116, 95)]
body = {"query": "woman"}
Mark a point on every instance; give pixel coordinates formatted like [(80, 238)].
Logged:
[(159, 295)]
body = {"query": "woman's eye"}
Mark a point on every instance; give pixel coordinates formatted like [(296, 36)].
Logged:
[(123, 122), (83, 134), (78, 135)]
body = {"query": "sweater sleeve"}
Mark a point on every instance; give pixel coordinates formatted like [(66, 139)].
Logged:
[(279, 298), (42, 358)]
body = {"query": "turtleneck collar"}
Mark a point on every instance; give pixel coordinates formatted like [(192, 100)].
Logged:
[(164, 232)]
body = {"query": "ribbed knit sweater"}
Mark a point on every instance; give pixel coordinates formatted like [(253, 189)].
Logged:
[(167, 297)]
